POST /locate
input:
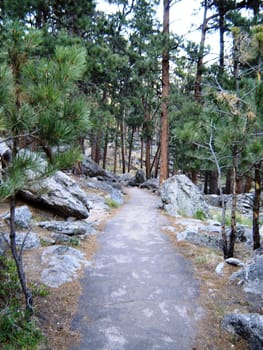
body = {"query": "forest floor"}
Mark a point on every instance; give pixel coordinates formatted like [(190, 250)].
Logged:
[(55, 312), (217, 297)]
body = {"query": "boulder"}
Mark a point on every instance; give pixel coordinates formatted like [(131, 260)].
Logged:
[(61, 264), (60, 194), (151, 184), (251, 276), (27, 240), (235, 262), (138, 179), (124, 179), (114, 190), (23, 217), (68, 228), (201, 239), (91, 169), (247, 326), (181, 197), (5, 156)]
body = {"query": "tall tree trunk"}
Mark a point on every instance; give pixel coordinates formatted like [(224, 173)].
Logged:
[(199, 68), (156, 161), (148, 158), (228, 188), (164, 172), (232, 238), (148, 143), (115, 153), (130, 148), (256, 207), (105, 151), (142, 148), (122, 146), (221, 35)]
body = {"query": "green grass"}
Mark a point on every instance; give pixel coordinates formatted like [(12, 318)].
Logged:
[(111, 203), (200, 215), (240, 219)]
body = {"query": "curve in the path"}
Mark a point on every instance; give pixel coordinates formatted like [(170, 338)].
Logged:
[(139, 294)]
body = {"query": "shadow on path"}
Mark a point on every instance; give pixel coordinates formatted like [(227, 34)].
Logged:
[(139, 294)]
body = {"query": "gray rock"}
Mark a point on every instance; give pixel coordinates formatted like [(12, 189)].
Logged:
[(151, 184), (68, 228), (91, 169), (219, 268), (60, 194), (124, 179), (138, 179), (112, 189), (60, 238), (62, 264), (200, 239), (28, 240), (23, 217), (247, 326), (251, 276), (3, 243), (234, 262), (181, 197)]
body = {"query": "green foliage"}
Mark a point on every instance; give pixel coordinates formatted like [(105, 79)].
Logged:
[(16, 332), (200, 215), (111, 203)]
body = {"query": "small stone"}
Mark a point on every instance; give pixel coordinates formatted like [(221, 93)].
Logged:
[(219, 269), (235, 262)]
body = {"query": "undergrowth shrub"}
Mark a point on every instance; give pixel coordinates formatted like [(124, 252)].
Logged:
[(17, 332)]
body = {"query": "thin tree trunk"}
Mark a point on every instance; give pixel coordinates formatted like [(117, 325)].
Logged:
[(232, 238), (256, 207), (105, 151), (142, 147), (155, 160), (148, 158), (130, 148), (18, 259), (122, 146), (199, 68), (221, 37), (220, 187), (164, 172), (115, 153)]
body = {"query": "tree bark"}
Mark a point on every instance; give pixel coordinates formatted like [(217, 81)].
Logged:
[(232, 239), (18, 259), (164, 173), (130, 148), (199, 68), (256, 207), (122, 146)]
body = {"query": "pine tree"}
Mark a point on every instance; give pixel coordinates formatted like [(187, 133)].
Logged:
[(40, 108)]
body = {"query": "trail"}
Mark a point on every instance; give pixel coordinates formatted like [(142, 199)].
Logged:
[(140, 293)]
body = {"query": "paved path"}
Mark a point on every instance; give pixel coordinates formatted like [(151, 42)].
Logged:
[(139, 294)]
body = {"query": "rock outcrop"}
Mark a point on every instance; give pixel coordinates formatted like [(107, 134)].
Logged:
[(61, 264), (181, 197), (247, 326), (60, 194)]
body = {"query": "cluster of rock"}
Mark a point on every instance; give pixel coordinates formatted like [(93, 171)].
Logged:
[(69, 202), (69, 206)]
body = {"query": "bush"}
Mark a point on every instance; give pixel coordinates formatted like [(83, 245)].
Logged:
[(16, 331)]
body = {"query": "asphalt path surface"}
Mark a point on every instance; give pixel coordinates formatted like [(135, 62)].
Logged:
[(139, 293)]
